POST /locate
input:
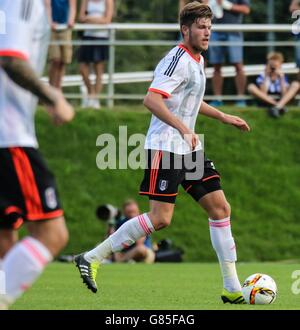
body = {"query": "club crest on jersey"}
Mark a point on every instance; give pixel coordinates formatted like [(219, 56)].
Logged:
[(50, 197), (163, 185)]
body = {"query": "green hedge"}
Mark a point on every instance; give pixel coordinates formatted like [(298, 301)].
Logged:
[(260, 176)]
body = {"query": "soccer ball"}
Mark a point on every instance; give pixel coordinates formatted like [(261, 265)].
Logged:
[(259, 289)]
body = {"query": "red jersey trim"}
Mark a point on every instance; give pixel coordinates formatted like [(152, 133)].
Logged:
[(197, 59), (158, 91), (45, 215), (13, 53)]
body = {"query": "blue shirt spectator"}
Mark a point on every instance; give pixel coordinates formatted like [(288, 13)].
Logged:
[(60, 11), (274, 86)]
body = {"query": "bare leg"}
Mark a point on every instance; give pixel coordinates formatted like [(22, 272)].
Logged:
[(240, 79), (160, 214), (289, 95), (60, 75), (255, 91), (8, 238), (99, 69), (53, 72), (53, 234), (216, 205), (217, 80), (85, 72)]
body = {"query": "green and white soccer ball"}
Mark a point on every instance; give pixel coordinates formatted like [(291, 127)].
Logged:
[(259, 289)]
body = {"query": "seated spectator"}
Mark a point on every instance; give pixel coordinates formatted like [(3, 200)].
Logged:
[(94, 12), (272, 86), (141, 251)]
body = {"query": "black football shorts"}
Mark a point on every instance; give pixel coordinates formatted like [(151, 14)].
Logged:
[(161, 180), (27, 188)]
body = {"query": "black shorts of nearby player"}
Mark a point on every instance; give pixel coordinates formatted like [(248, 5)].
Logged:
[(27, 188), (161, 182)]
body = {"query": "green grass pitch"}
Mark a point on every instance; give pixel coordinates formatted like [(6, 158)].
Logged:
[(184, 286)]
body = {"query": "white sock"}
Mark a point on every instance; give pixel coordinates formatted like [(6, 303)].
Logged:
[(223, 243), (125, 236), (23, 264), (1, 262)]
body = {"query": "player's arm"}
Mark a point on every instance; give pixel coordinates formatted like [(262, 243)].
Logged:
[(241, 9), (209, 111), (21, 73), (154, 102)]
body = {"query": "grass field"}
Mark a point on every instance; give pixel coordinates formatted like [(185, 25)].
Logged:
[(185, 286), (260, 176)]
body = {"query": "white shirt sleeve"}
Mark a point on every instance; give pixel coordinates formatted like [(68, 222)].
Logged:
[(17, 37), (169, 74)]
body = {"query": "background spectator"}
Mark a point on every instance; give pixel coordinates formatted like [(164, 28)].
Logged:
[(94, 12), (273, 82), (295, 5), (142, 249), (233, 12), (62, 15)]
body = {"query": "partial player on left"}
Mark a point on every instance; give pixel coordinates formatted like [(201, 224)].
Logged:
[(28, 191)]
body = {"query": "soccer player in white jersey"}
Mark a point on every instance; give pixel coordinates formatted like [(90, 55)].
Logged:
[(175, 98), (28, 192)]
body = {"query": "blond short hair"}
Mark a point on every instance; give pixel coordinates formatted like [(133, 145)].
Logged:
[(275, 56)]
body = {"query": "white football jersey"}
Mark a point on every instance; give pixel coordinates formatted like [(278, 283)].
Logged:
[(26, 36), (180, 78)]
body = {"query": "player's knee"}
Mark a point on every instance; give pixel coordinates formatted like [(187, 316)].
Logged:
[(57, 240), (161, 221), (221, 211), (54, 235)]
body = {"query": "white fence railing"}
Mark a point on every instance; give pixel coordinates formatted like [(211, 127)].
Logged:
[(111, 77)]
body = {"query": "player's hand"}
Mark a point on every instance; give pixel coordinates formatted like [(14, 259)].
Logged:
[(62, 111), (237, 122), (191, 138)]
